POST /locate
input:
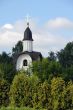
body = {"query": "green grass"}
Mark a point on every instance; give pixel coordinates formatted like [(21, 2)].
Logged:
[(16, 108)]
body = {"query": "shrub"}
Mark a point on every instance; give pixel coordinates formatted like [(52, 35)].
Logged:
[(58, 93), (20, 91), (4, 93)]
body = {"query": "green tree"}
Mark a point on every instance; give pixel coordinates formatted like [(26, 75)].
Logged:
[(65, 56), (67, 73), (42, 98), (52, 56), (69, 96), (1, 73), (4, 57), (46, 69), (41, 69), (58, 93), (7, 71), (20, 91), (18, 47), (7, 67), (4, 93)]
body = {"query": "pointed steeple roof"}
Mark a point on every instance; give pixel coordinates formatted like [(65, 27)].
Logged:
[(27, 33)]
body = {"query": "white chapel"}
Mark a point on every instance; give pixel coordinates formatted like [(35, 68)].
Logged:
[(24, 59)]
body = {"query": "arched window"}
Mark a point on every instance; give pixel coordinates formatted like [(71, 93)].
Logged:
[(24, 62)]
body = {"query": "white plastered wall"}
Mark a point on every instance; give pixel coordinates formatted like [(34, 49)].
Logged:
[(27, 46), (21, 58)]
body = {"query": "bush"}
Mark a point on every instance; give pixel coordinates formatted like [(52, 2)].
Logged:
[(46, 69), (41, 98), (21, 108), (20, 91), (4, 93), (69, 96), (58, 93)]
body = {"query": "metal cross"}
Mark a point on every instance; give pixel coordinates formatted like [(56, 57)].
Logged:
[(27, 19)]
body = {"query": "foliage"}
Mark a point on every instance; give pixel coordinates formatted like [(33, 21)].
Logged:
[(27, 91), (18, 48), (58, 93), (49, 86), (4, 57), (41, 69), (69, 96), (46, 69), (19, 92), (1, 73), (4, 91), (41, 97), (30, 91), (65, 56), (67, 73), (21, 108), (52, 56), (7, 70)]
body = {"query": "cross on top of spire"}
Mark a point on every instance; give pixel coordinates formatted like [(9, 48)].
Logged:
[(27, 19)]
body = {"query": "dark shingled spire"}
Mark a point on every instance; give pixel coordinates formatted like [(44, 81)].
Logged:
[(28, 34)]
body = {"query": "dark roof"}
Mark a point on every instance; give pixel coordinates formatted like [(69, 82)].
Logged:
[(28, 34), (34, 55)]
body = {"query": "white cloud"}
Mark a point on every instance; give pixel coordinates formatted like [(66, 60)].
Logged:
[(44, 41), (60, 22), (8, 26), (8, 39)]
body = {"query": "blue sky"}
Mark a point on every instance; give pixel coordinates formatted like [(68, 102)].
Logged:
[(55, 23), (12, 10)]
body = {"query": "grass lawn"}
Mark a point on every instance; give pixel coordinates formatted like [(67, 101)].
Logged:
[(22, 108)]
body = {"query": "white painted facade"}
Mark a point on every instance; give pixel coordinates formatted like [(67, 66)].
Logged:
[(27, 45), (25, 60), (21, 58)]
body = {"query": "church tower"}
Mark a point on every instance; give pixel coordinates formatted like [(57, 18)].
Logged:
[(27, 40)]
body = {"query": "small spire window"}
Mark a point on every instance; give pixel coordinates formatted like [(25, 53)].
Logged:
[(24, 62)]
